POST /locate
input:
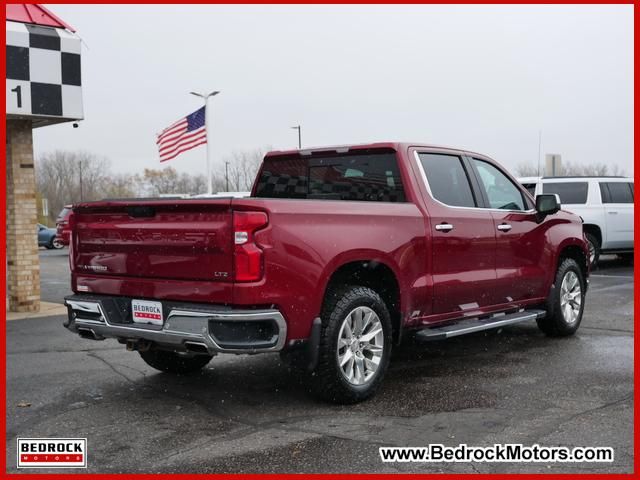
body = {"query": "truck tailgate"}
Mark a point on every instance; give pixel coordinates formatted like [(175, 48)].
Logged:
[(163, 239)]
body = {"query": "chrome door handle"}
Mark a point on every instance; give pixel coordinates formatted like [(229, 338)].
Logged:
[(613, 212), (444, 227), (504, 227)]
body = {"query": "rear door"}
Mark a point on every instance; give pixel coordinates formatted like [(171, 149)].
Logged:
[(617, 198), (521, 259), (462, 235)]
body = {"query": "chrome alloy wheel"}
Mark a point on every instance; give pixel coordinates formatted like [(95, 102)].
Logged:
[(360, 345), (570, 297)]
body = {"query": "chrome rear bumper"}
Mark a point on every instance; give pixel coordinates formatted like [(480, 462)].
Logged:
[(210, 328)]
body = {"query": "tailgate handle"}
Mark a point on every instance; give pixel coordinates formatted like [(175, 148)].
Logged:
[(140, 211)]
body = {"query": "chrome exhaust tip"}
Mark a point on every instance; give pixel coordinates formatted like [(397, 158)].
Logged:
[(197, 347), (89, 334)]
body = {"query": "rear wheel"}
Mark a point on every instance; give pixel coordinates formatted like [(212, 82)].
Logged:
[(355, 345), (57, 244), (172, 362), (565, 304)]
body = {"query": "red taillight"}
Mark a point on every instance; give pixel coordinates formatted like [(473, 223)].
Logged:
[(247, 254), (72, 250)]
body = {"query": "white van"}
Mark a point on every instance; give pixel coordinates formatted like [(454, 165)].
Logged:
[(604, 203)]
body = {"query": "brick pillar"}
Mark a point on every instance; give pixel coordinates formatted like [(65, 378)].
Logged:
[(23, 264)]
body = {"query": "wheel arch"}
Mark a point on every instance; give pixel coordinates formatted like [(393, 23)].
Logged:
[(595, 230), (374, 273), (576, 252)]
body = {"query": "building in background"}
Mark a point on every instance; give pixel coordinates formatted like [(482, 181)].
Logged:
[(43, 87)]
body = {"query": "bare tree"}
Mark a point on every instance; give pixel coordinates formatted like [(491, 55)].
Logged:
[(573, 169), (169, 181), (526, 170), (243, 168), (69, 177), (66, 177), (120, 185), (159, 182)]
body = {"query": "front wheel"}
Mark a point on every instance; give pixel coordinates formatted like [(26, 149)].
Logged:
[(355, 345), (565, 304), (172, 362)]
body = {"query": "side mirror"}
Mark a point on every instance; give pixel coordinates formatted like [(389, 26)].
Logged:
[(548, 203)]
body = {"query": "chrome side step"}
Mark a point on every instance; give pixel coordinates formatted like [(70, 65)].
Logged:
[(472, 325)]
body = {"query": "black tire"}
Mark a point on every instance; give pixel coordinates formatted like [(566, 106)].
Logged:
[(328, 381), (56, 244), (556, 323), (172, 362), (594, 248)]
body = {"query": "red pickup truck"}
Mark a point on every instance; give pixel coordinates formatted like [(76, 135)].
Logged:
[(338, 253)]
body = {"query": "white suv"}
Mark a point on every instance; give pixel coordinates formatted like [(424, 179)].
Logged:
[(604, 203)]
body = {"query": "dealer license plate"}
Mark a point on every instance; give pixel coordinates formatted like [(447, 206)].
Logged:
[(144, 311)]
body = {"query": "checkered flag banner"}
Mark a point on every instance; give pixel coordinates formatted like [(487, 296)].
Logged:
[(43, 72)]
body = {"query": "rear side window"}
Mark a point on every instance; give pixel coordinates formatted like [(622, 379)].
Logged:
[(569, 192), (368, 177), (616, 192), (448, 180)]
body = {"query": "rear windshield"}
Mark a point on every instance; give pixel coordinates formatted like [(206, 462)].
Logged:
[(569, 192), (64, 213), (367, 177)]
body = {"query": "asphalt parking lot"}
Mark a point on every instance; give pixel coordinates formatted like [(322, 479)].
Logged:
[(252, 414)]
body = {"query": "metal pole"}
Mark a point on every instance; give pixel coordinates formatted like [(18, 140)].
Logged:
[(226, 174), (81, 192), (207, 125), (539, 149), (299, 128)]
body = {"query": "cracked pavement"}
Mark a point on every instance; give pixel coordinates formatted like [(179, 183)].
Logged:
[(252, 414)]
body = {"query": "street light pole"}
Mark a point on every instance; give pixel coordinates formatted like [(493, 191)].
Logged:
[(81, 192), (226, 174), (299, 128), (207, 124)]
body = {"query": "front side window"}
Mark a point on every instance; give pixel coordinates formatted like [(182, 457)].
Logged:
[(616, 192), (569, 192), (501, 191), (448, 180)]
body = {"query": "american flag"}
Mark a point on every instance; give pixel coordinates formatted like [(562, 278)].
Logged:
[(183, 135)]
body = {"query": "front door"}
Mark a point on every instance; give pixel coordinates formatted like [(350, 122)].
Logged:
[(522, 262), (462, 236)]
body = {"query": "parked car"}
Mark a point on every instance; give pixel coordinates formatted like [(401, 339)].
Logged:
[(337, 255), (605, 205), (47, 237), (62, 225)]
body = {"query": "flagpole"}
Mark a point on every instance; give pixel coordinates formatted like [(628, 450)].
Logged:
[(207, 124)]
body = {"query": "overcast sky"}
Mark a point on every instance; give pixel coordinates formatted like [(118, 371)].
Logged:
[(486, 78)]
